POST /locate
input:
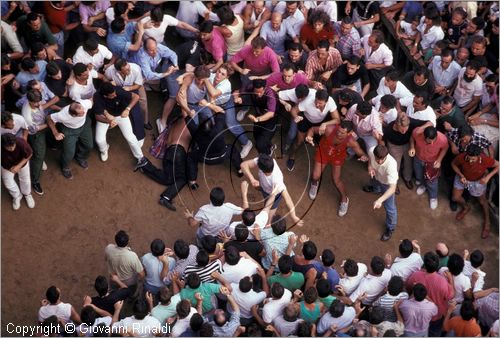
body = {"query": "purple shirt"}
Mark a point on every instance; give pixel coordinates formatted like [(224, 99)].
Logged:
[(277, 79), (86, 11), (265, 63), (417, 315), (216, 45)]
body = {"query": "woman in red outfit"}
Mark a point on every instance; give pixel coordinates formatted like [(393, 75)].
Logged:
[(316, 29)]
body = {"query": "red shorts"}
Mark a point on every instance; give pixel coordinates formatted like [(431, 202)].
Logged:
[(325, 156)]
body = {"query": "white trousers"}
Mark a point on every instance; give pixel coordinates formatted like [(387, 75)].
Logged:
[(9, 181), (126, 128)]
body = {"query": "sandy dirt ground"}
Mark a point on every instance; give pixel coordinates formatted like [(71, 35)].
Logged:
[(61, 242)]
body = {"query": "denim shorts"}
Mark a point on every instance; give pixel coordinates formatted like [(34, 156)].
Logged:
[(475, 188)]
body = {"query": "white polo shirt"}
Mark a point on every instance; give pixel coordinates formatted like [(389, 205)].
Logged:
[(312, 113), (349, 284), (96, 60), (134, 78), (214, 219), (274, 307), (404, 267), (260, 222), (158, 33), (245, 300), (461, 282), (373, 286), (430, 38), (465, 91), (234, 273), (79, 92), (400, 92), (74, 122), (382, 55), (427, 114), (268, 183), (387, 172)]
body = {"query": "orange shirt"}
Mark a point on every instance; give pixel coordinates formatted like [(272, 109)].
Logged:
[(463, 328)]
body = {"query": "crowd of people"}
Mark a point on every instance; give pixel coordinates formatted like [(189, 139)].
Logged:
[(71, 71)]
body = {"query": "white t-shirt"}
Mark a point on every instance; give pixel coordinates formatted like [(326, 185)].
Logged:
[(406, 28), (19, 125), (182, 325), (465, 91), (96, 60), (312, 113), (146, 327), (389, 115), (372, 286), (79, 92), (433, 35), (274, 307), (427, 114), (351, 283), (110, 15), (134, 78), (404, 267), (469, 270), (260, 222), (387, 172), (73, 122), (267, 183), (158, 33), (234, 273), (225, 88), (190, 10), (342, 322), (62, 311), (400, 92), (214, 219), (246, 300), (462, 284)]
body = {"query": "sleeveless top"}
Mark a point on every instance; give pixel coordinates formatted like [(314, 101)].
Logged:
[(253, 18), (310, 316), (236, 41), (195, 94), (334, 152)]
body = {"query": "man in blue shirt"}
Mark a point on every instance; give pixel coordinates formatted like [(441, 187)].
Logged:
[(120, 38)]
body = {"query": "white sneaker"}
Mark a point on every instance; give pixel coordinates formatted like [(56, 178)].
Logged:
[(313, 190), (44, 166), (159, 126), (104, 154), (30, 201), (16, 203), (241, 114), (421, 189), (344, 206), (246, 149), (433, 203)]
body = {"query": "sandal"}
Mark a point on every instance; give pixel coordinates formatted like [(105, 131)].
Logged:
[(461, 214)]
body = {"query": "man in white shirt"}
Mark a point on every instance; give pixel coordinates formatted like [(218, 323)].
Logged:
[(408, 262), (246, 298), (214, 217), (294, 17), (444, 71), (383, 170), (236, 267), (94, 54), (188, 12), (82, 86), (141, 323), (53, 306), (128, 76), (469, 88), (419, 108), (353, 274), (14, 124), (274, 306), (75, 128), (390, 84), (157, 23), (373, 284), (378, 57), (339, 315)]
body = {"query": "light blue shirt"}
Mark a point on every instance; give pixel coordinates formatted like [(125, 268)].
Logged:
[(119, 44), (276, 39), (23, 77), (149, 63), (444, 77)]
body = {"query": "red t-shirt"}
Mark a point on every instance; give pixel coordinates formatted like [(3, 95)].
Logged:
[(473, 171), (12, 158), (312, 38), (55, 18), (429, 152)]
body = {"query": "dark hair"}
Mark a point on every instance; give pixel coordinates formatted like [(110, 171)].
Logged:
[(491, 78), (206, 26), (101, 286), (88, 315), (90, 44), (455, 264), (278, 224), (327, 257), (277, 290), (336, 308), (52, 294), (202, 258), (120, 8), (323, 44), (117, 25), (258, 42), (5, 59), (295, 46), (27, 64), (380, 151), (245, 284), (193, 280), (431, 262), (79, 68), (405, 248), (241, 232), (354, 60), (201, 72), (304, 329), (347, 20), (196, 322), (248, 217), (217, 196), (419, 292), (231, 255), (309, 250), (377, 264), (310, 295), (393, 75), (430, 133), (323, 287), (319, 15), (467, 310), (424, 96), (106, 89), (120, 63), (36, 47), (376, 315), (183, 308), (364, 108), (285, 264), (460, 11), (157, 247), (388, 101), (181, 249), (6, 116), (226, 15), (446, 52), (288, 66), (52, 68), (265, 163), (121, 238), (473, 64), (301, 91), (421, 70), (34, 95), (474, 150), (396, 285), (476, 258), (465, 130), (206, 330), (156, 14), (209, 243), (379, 36), (479, 22), (32, 16), (258, 83), (351, 268), (448, 100), (322, 95), (164, 295), (347, 125)]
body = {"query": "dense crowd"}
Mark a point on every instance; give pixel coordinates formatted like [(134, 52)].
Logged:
[(71, 71)]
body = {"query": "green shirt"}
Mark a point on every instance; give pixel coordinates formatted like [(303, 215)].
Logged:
[(206, 290), (292, 282), (327, 301)]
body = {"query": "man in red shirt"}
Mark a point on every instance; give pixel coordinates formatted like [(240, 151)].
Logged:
[(428, 147), (471, 168)]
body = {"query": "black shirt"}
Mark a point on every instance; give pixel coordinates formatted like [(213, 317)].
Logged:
[(299, 65), (355, 99), (367, 9), (114, 106), (58, 87), (211, 143), (342, 78), (188, 53), (252, 248), (395, 137), (428, 87), (107, 303)]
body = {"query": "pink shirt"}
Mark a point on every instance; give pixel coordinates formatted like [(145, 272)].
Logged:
[(367, 125), (265, 63), (216, 45), (87, 11), (438, 289), (429, 152), (277, 79)]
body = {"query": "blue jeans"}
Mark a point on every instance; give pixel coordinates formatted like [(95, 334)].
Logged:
[(292, 132), (418, 169), (202, 113), (391, 212), (277, 199), (234, 126)]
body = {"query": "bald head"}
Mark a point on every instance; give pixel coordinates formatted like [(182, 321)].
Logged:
[(442, 249), (276, 19)]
